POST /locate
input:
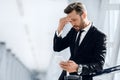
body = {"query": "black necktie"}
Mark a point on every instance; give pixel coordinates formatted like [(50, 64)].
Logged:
[(77, 42)]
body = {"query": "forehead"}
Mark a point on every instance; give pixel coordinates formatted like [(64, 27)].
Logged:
[(73, 14)]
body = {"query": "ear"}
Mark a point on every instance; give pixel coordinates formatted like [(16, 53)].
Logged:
[(84, 15)]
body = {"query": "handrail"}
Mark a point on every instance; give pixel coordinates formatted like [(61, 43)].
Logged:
[(104, 71)]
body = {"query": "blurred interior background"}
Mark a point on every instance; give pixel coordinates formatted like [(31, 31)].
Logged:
[(27, 28)]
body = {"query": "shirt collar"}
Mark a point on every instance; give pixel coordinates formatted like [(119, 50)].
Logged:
[(87, 28)]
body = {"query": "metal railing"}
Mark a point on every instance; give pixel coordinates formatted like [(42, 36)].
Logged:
[(102, 72)]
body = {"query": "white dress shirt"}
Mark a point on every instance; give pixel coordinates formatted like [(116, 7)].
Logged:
[(85, 30)]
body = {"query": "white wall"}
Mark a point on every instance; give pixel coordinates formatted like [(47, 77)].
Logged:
[(27, 26)]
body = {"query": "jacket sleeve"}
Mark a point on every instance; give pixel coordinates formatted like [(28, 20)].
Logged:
[(60, 43), (100, 52)]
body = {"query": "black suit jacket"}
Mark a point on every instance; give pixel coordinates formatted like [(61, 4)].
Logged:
[(90, 54)]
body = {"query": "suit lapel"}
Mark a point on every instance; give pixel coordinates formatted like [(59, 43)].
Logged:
[(87, 37)]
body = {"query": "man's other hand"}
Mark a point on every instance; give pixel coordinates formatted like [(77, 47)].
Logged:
[(69, 66)]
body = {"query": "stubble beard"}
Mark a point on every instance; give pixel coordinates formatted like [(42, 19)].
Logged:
[(78, 28)]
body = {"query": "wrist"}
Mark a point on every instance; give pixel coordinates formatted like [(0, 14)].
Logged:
[(59, 29)]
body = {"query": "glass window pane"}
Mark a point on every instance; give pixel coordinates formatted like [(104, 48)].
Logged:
[(114, 14), (111, 21), (114, 1)]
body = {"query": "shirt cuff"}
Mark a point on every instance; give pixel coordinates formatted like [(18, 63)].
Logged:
[(79, 69), (58, 35)]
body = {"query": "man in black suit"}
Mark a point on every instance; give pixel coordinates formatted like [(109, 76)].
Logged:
[(87, 44)]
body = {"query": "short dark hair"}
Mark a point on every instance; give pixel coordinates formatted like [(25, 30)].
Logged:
[(77, 6)]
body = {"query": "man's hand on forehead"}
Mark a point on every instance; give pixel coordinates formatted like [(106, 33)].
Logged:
[(68, 19)]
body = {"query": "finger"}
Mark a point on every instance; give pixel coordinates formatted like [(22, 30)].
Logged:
[(70, 61), (68, 20), (64, 67), (63, 63)]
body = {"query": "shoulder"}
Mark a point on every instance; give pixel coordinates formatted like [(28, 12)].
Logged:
[(97, 32)]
